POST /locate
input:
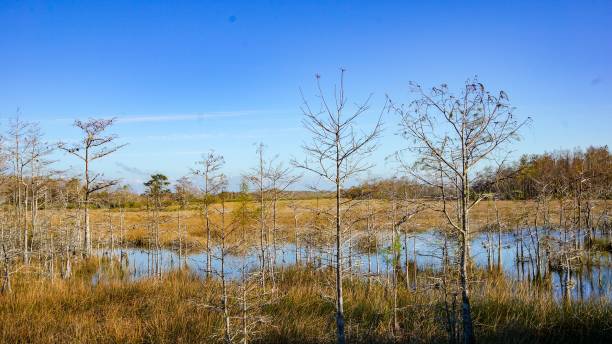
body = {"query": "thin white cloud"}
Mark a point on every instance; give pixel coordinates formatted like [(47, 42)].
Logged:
[(131, 169), (248, 135), (183, 117), (179, 137), (144, 118)]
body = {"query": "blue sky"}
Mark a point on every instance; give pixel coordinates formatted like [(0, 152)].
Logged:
[(185, 77)]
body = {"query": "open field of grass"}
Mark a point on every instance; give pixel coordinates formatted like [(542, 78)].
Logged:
[(173, 310), (512, 214)]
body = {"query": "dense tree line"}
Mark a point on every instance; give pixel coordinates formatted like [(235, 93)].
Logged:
[(560, 174)]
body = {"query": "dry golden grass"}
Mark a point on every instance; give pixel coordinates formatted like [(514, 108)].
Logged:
[(170, 311), (513, 213)]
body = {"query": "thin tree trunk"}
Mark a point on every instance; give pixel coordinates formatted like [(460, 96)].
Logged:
[(339, 297)]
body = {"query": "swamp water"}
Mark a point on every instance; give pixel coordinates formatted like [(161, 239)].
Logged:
[(518, 259)]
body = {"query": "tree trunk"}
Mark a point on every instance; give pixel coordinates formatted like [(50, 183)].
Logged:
[(339, 298), (208, 254), (87, 232), (466, 312)]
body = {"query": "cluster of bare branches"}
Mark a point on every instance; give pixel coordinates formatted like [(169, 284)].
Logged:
[(336, 154), (451, 135), (96, 144), (33, 187)]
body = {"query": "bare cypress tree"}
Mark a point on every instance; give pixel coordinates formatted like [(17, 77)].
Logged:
[(183, 192), (94, 145), (223, 235), (225, 230), (222, 305), (211, 164), (38, 164), (336, 154), (242, 218), (280, 180), (450, 136), (18, 150), (258, 178), (8, 254), (249, 296)]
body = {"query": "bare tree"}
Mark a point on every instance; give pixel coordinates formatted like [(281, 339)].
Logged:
[(258, 178), (183, 191), (94, 145), (281, 179), (18, 150), (211, 163), (336, 154), (225, 229), (450, 136), (38, 161), (249, 296)]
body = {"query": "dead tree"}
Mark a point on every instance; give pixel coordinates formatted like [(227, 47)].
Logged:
[(7, 259), (18, 151), (259, 178), (183, 191), (223, 236), (450, 135), (39, 176), (94, 145), (281, 179), (249, 295), (336, 154), (211, 163)]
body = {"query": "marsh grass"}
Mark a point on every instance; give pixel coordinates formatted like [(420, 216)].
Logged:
[(136, 233), (170, 310), (603, 244)]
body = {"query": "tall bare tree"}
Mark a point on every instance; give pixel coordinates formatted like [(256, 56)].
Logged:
[(94, 145), (336, 154), (18, 150), (450, 136), (39, 163), (211, 164), (259, 178), (281, 179), (183, 191)]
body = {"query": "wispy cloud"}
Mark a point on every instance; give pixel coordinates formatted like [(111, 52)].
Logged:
[(144, 118), (132, 170), (179, 137), (183, 117), (247, 135)]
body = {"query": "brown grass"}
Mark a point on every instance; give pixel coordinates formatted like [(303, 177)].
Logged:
[(170, 311), (512, 213)]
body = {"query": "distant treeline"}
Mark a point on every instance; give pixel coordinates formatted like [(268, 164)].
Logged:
[(68, 193), (560, 174)]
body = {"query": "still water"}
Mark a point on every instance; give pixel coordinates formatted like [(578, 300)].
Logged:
[(518, 252)]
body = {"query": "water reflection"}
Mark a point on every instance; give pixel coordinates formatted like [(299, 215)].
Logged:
[(516, 257)]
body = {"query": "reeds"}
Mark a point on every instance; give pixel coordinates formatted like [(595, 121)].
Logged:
[(173, 310)]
